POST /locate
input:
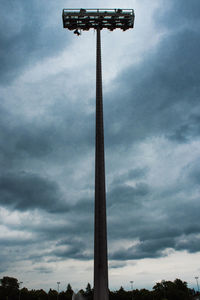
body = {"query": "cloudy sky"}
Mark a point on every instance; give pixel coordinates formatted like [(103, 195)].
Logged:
[(151, 78)]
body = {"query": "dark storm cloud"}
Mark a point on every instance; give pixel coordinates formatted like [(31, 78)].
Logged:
[(34, 143), (22, 140), (146, 249), (154, 248), (137, 173), (133, 174), (159, 95), (192, 244), (162, 225), (157, 227), (55, 139), (35, 258), (6, 242), (72, 252), (74, 248), (18, 248), (194, 175), (27, 35), (126, 195), (25, 191), (182, 14), (4, 262), (76, 226), (84, 207), (166, 218)]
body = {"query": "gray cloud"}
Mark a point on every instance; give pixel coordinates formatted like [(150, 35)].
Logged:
[(154, 248), (133, 174), (4, 263), (191, 243), (158, 97), (17, 241), (126, 195), (28, 34), (36, 139), (24, 191), (117, 264), (73, 251), (140, 221), (146, 249), (44, 270), (181, 14)]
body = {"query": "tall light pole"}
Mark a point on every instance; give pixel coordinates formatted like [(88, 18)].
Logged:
[(131, 282), (58, 283), (19, 289), (196, 277), (85, 19)]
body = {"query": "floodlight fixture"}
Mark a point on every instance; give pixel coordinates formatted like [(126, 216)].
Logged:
[(98, 19), (85, 19)]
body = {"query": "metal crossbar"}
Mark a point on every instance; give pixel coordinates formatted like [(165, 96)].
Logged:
[(82, 10)]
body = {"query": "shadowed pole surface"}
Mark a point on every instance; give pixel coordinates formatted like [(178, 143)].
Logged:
[(100, 233)]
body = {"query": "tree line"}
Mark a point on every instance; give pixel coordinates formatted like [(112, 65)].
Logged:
[(164, 290)]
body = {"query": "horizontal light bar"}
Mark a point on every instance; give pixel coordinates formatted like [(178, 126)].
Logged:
[(86, 19)]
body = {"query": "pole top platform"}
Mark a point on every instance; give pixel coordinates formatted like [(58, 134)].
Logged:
[(85, 19)]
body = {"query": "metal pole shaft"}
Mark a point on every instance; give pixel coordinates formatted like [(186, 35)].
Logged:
[(58, 290), (197, 283), (100, 232)]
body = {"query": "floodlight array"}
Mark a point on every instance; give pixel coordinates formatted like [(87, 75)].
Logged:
[(85, 19)]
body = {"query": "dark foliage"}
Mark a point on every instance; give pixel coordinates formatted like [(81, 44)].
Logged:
[(9, 288), (164, 290)]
